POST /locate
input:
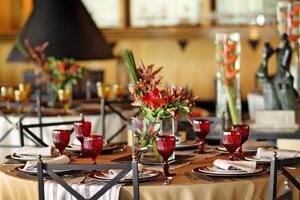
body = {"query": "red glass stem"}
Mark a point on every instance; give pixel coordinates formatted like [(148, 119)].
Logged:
[(166, 167), (202, 146), (231, 156), (240, 153)]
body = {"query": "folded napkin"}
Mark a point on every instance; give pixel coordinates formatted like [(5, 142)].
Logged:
[(35, 151), (253, 144), (269, 153), (58, 160), (248, 166), (115, 172)]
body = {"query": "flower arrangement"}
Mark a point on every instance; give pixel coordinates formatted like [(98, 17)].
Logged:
[(59, 72), (227, 56), (156, 102)]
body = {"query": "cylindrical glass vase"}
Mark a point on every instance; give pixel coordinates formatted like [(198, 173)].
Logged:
[(228, 97)]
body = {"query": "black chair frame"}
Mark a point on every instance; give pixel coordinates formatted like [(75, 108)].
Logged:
[(110, 105), (126, 167), (26, 132), (279, 165), (32, 106)]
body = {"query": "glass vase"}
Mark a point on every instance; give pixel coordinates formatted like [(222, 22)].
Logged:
[(288, 22), (144, 137), (228, 97)]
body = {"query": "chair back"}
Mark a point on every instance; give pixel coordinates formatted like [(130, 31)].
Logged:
[(279, 165), (112, 105), (26, 132), (50, 170), (32, 106)]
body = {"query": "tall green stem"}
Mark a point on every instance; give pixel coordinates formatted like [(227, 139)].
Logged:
[(231, 100)]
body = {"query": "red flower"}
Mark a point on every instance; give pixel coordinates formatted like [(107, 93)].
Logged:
[(73, 68), (61, 67), (154, 99)]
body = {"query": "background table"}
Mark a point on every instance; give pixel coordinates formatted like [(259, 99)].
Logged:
[(15, 188), (112, 122)]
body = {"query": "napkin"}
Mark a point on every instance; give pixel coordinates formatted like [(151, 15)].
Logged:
[(231, 165), (30, 165), (114, 172), (35, 151), (266, 153)]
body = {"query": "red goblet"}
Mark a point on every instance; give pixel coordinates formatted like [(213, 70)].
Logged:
[(82, 129), (201, 128), (92, 146), (61, 139), (231, 141), (244, 132), (165, 147)]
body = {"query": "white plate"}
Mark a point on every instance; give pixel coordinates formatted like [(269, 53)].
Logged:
[(215, 171), (244, 150), (77, 149), (187, 145), (29, 157), (257, 159), (34, 170), (145, 175)]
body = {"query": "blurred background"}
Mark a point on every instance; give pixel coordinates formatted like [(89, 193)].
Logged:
[(175, 34)]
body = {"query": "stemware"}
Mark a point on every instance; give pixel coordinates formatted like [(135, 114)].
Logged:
[(63, 97), (231, 141), (166, 147), (201, 128), (61, 139), (243, 129), (92, 146), (82, 129)]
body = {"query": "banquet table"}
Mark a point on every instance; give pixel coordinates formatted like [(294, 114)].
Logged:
[(15, 187)]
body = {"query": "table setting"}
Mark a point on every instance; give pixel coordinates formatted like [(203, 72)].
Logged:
[(170, 166)]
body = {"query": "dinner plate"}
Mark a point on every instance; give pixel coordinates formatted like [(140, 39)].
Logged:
[(144, 176), (190, 144), (245, 151), (24, 158), (34, 171), (215, 171), (258, 160), (106, 149)]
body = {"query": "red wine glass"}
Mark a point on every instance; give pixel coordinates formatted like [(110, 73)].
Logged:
[(201, 128), (244, 132), (82, 129), (92, 146), (231, 141), (166, 147), (61, 139)]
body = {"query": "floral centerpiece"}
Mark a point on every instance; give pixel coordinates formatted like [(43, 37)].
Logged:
[(60, 72), (157, 103), (228, 68)]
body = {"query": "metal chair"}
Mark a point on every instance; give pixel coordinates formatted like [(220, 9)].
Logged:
[(34, 106), (26, 132), (111, 105), (125, 167), (279, 165)]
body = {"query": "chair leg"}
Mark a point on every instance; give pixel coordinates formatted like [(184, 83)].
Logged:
[(273, 178), (21, 134), (135, 172), (41, 181)]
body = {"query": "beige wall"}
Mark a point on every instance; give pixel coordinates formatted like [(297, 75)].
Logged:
[(194, 67)]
